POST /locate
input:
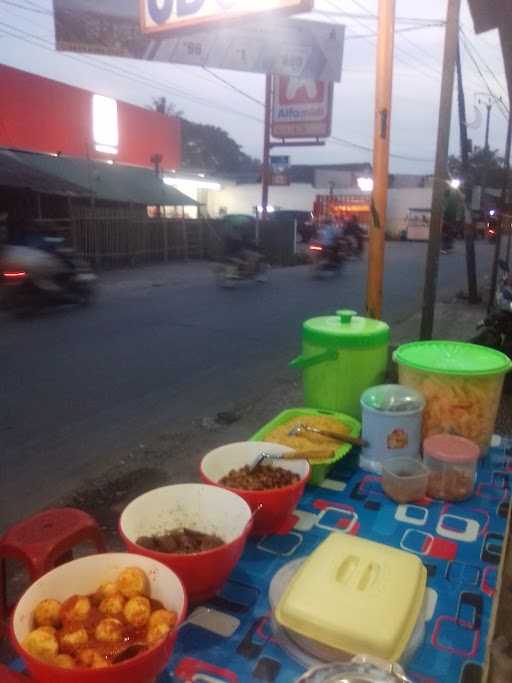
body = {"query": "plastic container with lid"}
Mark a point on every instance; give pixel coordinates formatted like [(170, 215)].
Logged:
[(392, 416), (404, 480), (461, 383), (451, 461), (342, 355), (352, 595), (360, 669)]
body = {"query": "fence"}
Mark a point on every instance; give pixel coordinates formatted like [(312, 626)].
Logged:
[(116, 237)]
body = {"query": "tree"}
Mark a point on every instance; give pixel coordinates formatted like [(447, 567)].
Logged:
[(208, 148), (162, 106), (485, 165)]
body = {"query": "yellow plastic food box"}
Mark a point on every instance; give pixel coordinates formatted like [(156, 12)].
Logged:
[(357, 596)]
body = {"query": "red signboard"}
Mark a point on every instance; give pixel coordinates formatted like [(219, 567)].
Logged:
[(41, 115), (301, 108)]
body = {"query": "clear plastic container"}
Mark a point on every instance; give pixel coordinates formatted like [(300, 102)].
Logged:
[(461, 383), (451, 461), (404, 480)]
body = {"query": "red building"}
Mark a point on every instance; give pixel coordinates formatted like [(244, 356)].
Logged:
[(41, 115)]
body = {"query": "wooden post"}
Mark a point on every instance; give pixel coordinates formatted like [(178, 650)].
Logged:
[(383, 94), (265, 171), (469, 228), (165, 224), (440, 172)]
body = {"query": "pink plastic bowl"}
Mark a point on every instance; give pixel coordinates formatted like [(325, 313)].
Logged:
[(203, 508), (83, 577), (277, 505)]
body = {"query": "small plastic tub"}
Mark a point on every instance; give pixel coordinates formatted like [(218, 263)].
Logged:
[(451, 461), (404, 479)]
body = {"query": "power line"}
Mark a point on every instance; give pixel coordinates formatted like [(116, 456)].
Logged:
[(500, 85), (469, 53), (119, 71), (233, 87), (365, 148), (413, 44)]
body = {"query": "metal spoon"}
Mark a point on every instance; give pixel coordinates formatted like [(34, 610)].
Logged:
[(355, 441)]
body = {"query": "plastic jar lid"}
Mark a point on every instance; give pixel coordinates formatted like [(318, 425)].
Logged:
[(346, 329), (451, 449), (452, 358), (393, 399)]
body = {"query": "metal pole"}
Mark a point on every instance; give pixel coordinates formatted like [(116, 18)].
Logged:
[(265, 172), (440, 173), (383, 97), (469, 228), (503, 206)]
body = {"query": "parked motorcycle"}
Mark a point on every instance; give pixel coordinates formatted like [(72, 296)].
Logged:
[(496, 329), (32, 279)]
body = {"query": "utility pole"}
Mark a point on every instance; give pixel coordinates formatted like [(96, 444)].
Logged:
[(382, 124), (503, 207), (469, 228), (440, 173), (265, 171), (488, 125)]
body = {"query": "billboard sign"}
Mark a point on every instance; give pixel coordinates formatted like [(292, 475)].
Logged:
[(301, 108), (158, 16), (291, 47)]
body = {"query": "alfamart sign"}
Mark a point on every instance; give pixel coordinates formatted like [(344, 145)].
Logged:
[(167, 15)]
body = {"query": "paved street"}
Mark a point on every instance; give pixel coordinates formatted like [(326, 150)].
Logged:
[(162, 346)]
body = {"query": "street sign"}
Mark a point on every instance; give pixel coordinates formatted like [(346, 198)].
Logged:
[(301, 108), (158, 16), (291, 47), (279, 164)]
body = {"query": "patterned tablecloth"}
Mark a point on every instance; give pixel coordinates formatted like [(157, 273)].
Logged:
[(231, 639)]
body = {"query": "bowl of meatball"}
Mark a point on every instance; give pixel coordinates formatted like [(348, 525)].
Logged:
[(272, 489), (198, 531), (108, 618)]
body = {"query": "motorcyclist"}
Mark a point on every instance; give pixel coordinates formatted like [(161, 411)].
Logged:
[(354, 231), (327, 236), (241, 252)]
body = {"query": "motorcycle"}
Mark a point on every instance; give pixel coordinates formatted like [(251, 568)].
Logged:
[(496, 329), (329, 260), (251, 266), (32, 279)]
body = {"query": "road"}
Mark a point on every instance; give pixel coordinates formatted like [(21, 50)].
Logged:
[(163, 346)]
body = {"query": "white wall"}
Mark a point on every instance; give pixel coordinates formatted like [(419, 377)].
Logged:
[(400, 200), (243, 198), (301, 197)]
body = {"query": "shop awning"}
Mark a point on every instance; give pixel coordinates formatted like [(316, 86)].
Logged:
[(105, 182)]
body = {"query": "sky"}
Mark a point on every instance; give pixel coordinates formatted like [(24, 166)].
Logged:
[(27, 40)]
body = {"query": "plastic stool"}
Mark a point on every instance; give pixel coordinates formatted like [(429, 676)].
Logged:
[(44, 540)]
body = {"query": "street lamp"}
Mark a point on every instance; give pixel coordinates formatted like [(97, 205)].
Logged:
[(455, 183), (365, 184)]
